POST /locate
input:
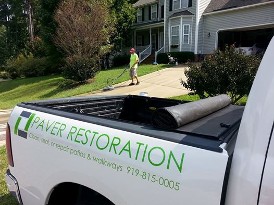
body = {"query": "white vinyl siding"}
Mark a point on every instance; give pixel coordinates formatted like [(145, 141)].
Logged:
[(154, 12), (139, 15), (186, 33), (175, 35)]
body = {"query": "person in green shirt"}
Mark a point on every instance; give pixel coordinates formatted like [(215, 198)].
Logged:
[(133, 65)]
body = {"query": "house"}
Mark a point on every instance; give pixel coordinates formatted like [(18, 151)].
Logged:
[(201, 26)]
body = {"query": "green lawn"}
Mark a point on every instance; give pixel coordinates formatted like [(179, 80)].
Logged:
[(28, 89), (5, 197)]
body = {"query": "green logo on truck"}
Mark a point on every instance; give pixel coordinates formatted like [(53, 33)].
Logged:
[(26, 118)]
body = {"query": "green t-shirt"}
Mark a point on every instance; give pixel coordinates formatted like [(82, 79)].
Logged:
[(133, 59)]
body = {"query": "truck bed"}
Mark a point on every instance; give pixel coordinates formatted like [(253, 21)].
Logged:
[(134, 114)]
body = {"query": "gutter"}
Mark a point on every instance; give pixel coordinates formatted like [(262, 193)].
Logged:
[(238, 8)]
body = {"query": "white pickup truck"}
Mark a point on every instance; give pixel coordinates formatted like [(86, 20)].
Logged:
[(139, 150)]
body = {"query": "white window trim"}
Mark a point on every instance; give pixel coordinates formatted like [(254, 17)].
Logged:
[(139, 14), (154, 6), (186, 34), (174, 4), (174, 35)]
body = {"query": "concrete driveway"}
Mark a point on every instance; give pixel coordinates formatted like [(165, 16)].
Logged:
[(163, 83)]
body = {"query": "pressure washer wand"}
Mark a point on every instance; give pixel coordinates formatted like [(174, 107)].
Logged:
[(109, 85)]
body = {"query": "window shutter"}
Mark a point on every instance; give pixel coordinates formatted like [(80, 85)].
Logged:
[(189, 3), (143, 14), (170, 5), (162, 11), (149, 12), (157, 10)]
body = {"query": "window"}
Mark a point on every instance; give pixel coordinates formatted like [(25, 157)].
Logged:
[(154, 12), (184, 3), (176, 4), (139, 15), (186, 33), (175, 35)]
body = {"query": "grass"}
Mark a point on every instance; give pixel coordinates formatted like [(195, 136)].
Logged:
[(28, 89), (191, 97), (5, 197)]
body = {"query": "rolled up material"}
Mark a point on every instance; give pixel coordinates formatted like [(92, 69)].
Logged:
[(179, 115)]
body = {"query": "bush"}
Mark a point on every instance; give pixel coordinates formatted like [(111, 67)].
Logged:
[(13, 66), (4, 75), (37, 48), (120, 60), (162, 58), (229, 72), (28, 66), (80, 69), (182, 57)]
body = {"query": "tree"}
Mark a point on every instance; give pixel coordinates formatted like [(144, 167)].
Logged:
[(83, 32), (124, 15), (229, 72), (3, 45), (48, 25), (12, 16)]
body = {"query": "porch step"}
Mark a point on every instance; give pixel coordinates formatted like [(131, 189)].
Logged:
[(149, 60)]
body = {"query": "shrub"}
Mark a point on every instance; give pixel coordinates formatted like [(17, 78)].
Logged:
[(162, 58), (80, 69), (37, 48), (182, 57), (28, 66), (229, 72), (120, 60), (13, 66), (34, 67), (4, 75)]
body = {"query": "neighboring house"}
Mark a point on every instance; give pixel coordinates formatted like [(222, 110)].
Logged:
[(201, 26)]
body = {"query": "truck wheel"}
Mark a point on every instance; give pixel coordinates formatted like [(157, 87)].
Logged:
[(75, 194)]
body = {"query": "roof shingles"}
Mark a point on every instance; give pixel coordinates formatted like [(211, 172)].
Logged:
[(144, 2), (218, 5)]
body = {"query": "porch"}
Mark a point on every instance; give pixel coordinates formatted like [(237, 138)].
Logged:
[(149, 42)]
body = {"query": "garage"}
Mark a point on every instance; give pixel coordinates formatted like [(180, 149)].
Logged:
[(256, 38)]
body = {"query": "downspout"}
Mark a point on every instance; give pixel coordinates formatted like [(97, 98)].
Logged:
[(197, 27), (165, 26), (181, 33), (203, 36)]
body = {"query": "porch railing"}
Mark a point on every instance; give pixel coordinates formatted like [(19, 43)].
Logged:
[(144, 54), (161, 50)]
